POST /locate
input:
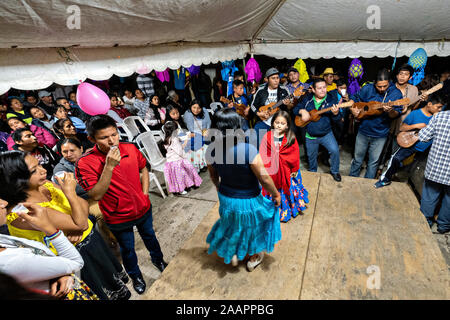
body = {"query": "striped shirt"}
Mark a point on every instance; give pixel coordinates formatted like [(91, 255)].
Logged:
[(142, 107), (145, 84), (438, 163)]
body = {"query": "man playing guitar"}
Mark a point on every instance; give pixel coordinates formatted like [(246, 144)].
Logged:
[(238, 97), (373, 131), (270, 92)]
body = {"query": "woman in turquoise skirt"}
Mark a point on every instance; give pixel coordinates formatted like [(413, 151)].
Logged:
[(249, 223)]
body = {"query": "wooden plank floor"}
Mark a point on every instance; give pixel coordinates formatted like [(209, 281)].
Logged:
[(357, 226), (193, 274), (323, 254)]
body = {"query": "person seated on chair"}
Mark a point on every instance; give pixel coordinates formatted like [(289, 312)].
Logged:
[(42, 135), (65, 129), (27, 142), (415, 121), (116, 111), (320, 132), (238, 97), (153, 117), (198, 122), (115, 174), (72, 111), (61, 113)]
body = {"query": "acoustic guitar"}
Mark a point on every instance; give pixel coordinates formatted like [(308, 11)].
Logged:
[(274, 107), (407, 139), (375, 108), (315, 114), (429, 91), (240, 108)]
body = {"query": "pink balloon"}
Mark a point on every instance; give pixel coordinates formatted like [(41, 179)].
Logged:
[(92, 100)]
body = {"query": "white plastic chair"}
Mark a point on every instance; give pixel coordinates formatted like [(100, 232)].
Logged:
[(214, 106), (138, 126), (148, 146), (124, 133)]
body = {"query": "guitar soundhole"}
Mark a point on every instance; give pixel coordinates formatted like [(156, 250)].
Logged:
[(366, 108)]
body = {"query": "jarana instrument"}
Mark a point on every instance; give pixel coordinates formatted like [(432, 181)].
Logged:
[(375, 108), (315, 114), (240, 108), (274, 107), (407, 139)]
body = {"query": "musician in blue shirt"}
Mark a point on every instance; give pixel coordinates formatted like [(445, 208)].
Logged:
[(416, 120), (374, 130), (239, 97)]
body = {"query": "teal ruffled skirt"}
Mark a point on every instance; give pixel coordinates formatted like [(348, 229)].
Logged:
[(245, 226)]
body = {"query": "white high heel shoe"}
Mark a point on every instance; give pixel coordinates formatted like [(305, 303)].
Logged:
[(251, 265)]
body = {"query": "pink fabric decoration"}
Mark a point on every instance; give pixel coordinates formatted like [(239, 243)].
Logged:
[(252, 70), (163, 76)]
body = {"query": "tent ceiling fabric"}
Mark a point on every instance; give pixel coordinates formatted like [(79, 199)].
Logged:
[(32, 69), (32, 24), (312, 20), (157, 34)]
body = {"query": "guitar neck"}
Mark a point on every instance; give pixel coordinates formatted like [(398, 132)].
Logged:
[(343, 105), (434, 89)]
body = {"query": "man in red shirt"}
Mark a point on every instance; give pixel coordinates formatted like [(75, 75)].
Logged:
[(115, 174)]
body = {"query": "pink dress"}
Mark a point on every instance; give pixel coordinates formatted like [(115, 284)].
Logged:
[(178, 170)]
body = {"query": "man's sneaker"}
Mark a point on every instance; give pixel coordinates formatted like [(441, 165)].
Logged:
[(381, 183), (183, 193)]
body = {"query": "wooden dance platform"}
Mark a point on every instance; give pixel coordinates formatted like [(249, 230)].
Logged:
[(352, 242)]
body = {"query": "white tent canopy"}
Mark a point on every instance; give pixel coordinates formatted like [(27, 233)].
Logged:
[(38, 45)]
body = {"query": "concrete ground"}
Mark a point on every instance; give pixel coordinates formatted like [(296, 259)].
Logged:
[(176, 217)]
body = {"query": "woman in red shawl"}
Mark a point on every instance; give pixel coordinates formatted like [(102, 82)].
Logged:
[(281, 156)]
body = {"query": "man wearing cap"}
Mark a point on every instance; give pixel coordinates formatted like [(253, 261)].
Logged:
[(328, 76), (46, 102), (269, 92)]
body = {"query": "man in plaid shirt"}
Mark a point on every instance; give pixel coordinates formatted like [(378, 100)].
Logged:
[(437, 171)]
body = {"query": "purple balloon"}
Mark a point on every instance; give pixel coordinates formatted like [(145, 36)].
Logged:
[(92, 100)]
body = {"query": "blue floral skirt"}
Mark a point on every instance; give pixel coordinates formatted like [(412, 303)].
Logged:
[(245, 226), (293, 203)]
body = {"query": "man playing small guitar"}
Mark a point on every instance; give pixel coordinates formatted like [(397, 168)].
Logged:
[(269, 93), (237, 100), (373, 131), (415, 121), (320, 132)]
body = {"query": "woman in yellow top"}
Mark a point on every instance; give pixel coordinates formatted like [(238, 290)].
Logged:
[(16, 109), (23, 179)]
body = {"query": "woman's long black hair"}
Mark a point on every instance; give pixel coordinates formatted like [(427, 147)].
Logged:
[(201, 115), (180, 121), (14, 177), (155, 107), (169, 129)]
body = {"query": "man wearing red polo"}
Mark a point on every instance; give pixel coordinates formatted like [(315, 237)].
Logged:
[(115, 174)]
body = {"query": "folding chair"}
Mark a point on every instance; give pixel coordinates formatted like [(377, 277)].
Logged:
[(138, 126), (124, 133), (214, 106), (148, 146)]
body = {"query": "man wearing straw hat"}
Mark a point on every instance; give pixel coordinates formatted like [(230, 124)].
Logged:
[(328, 76)]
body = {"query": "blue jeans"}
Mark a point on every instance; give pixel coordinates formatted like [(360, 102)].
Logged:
[(395, 163), (329, 142), (125, 238), (431, 192), (375, 147)]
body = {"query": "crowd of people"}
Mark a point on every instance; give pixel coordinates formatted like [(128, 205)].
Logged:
[(63, 171)]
